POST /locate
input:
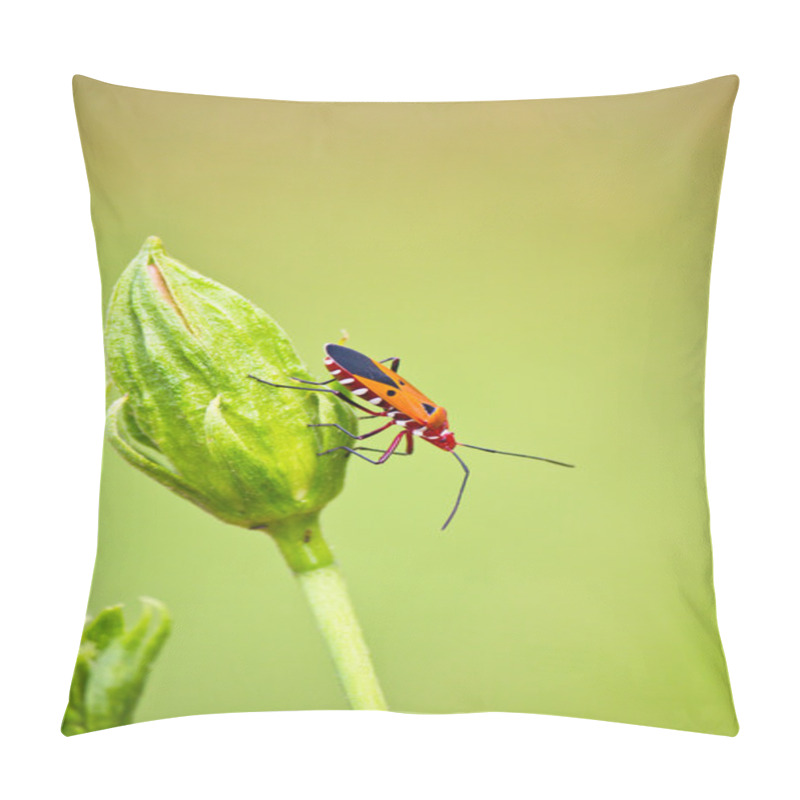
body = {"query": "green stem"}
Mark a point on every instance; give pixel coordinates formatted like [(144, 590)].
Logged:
[(327, 595), (306, 553)]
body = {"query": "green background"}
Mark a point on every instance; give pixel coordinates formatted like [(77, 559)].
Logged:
[(542, 268)]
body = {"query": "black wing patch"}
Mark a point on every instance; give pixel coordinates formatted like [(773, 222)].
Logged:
[(357, 364)]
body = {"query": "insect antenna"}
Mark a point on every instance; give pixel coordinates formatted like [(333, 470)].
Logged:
[(460, 491), (517, 455)]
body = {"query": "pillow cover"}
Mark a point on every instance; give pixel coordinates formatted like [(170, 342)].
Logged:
[(540, 267)]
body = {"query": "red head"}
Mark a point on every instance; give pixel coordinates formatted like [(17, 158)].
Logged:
[(438, 432), (448, 440)]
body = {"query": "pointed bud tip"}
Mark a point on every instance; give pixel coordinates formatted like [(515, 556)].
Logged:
[(154, 243), (153, 249)]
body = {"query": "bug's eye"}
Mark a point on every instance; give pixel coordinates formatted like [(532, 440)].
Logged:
[(429, 408)]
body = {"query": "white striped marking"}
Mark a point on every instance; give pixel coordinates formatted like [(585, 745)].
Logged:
[(336, 372), (376, 400), (360, 391), (346, 380)]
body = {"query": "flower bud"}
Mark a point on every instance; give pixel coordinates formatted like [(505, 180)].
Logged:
[(112, 667), (179, 349)]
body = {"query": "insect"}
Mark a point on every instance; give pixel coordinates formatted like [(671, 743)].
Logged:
[(394, 398)]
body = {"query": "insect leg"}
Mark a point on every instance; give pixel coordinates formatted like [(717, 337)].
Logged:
[(385, 457), (352, 435), (395, 363), (340, 395), (409, 446), (313, 383), (380, 450), (460, 491)]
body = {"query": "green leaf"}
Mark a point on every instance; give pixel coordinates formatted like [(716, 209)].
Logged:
[(112, 667)]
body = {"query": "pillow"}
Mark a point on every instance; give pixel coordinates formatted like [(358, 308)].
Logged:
[(541, 269)]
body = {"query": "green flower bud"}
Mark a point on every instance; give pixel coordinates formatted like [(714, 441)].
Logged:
[(112, 667), (179, 349)]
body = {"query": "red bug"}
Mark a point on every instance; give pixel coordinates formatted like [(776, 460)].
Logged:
[(395, 398)]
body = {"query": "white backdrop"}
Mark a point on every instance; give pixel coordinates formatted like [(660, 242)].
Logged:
[(53, 387)]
